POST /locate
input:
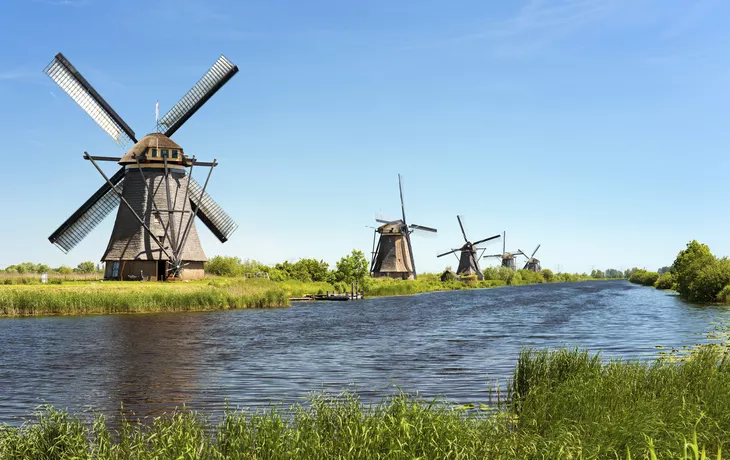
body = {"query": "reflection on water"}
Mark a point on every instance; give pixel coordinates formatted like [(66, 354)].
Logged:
[(455, 344)]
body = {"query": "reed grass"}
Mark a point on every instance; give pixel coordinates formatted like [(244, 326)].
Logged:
[(121, 297), (564, 404)]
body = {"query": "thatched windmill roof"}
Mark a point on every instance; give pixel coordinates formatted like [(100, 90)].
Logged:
[(152, 140)]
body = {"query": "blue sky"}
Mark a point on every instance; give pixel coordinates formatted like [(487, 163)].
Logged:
[(599, 129)]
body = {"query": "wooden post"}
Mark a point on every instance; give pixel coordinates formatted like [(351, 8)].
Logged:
[(352, 290)]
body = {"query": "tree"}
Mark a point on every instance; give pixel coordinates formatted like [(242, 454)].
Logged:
[(86, 267), (664, 270), (353, 267), (224, 266), (688, 264)]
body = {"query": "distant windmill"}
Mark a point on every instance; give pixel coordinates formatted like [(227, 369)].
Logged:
[(532, 263), (508, 258), (468, 261), (393, 255)]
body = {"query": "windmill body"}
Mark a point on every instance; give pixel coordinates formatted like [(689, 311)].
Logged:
[(392, 256), (507, 259), (154, 234), (468, 259), (533, 264), (469, 263)]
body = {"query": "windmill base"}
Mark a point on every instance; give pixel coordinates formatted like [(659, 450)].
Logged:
[(394, 275), (149, 270)]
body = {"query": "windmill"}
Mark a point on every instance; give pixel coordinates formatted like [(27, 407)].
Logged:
[(468, 260), (393, 255), (154, 235), (532, 263), (507, 258)]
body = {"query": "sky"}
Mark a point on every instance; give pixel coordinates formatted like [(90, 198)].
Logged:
[(598, 129)]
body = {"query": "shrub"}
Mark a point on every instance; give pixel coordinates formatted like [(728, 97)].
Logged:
[(709, 281), (665, 281), (643, 277), (224, 266), (548, 275), (688, 264), (448, 276)]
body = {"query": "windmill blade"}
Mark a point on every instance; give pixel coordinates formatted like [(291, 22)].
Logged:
[(204, 89), (70, 80), (462, 228), (210, 213), (388, 222), (410, 250), (402, 206), (520, 252), (493, 255), (535, 251), (89, 215), (422, 228), (488, 239), (447, 253)]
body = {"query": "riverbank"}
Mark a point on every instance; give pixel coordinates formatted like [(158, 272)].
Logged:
[(220, 293), (561, 404)]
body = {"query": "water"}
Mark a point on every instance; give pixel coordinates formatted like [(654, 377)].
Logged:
[(453, 344)]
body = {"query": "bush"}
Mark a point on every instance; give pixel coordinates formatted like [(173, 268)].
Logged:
[(548, 275), (448, 276), (665, 281), (687, 265), (643, 277), (709, 281), (224, 266)]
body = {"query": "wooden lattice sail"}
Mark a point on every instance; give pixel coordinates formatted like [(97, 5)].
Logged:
[(392, 256), (154, 235), (469, 254)]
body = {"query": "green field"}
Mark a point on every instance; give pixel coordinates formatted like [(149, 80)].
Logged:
[(563, 404)]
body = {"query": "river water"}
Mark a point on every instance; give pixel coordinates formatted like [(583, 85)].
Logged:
[(452, 344)]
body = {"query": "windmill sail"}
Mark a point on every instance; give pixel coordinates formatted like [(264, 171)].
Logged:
[(89, 215), (75, 85), (204, 89), (210, 213)]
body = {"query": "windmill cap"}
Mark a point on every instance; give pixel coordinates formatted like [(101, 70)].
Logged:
[(152, 140)]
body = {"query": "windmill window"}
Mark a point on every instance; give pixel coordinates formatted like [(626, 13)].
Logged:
[(154, 153), (115, 269), (164, 154), (174, 153)]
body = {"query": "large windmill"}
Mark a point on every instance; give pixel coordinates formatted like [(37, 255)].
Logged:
[(532, 263), (154, 235), (393, 255), (468, 260), (508, 259)]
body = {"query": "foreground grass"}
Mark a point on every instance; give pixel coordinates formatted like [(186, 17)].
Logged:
[(564, 404)]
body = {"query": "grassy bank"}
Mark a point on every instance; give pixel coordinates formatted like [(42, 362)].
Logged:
[(107, 297), (564, 404), (84, 298)]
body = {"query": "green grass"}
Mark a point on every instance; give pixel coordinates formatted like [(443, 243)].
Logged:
[(23, 296), (564, 404), (83, 298)]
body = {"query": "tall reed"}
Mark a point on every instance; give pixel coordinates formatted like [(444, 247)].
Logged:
[(565, 404)]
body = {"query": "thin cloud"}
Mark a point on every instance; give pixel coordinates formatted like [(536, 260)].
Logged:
[(17, 75), (66, 3), (534, 26)]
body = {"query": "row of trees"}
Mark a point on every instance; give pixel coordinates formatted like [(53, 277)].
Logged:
[(350, 268), (30, 268), (696, 274)]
